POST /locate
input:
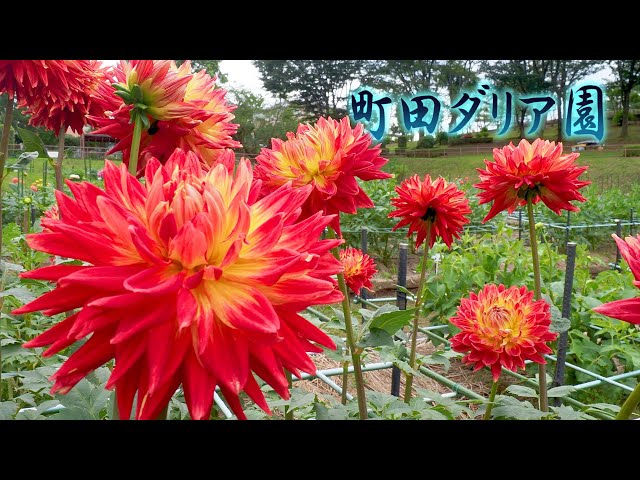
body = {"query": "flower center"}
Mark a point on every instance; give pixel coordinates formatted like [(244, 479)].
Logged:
[(430, 215)]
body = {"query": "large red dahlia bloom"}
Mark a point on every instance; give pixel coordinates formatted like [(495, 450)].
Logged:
[(53, 111), (441, 203), (536, 171), (502, 327), (628, 309), (328, 156), (186, 111), (23, 79), (189, 279)]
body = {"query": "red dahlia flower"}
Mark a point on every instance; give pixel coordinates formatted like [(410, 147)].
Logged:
[(23, 79), (188, 279), (358, 269), (187, 112), (536, 171), (502, 327), (629, 308), (328, 156), (54, 111), (439, 202)]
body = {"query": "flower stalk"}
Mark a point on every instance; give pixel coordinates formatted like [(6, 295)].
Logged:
[(353, 349), (492, 397), (537, 289), (416, 318), (629, 405)]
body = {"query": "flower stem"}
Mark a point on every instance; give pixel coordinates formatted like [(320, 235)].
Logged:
[(355, 353), (58, 164), (345, 378), (492, 396), (135, 145), (4, 150), (630, 404), (542, 371), (288, 411), (416, 318)]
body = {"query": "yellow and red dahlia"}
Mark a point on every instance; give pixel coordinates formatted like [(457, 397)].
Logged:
[(628, 309), (536, 171), (188, 279), (359, 268), (188, 112), (438, 203), (328, 156), (53, 111), (502, 327)]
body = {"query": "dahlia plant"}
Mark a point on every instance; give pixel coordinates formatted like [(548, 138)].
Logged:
[(432, 209), (525, 175)]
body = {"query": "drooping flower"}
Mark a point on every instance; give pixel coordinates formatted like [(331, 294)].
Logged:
[(628, 309), (23, 79), (53, 111), (188, 112), (502, 327), (188, 279), (439, 202), (359, 268), (328, 156), (536, 171)]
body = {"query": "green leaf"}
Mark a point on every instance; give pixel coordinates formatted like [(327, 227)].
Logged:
[(391, 322), (20, 293), (376, 337), (559, 324), (567, 413), (518, 412), (8, 410), (521, 391), (562, 391), (33, 143)]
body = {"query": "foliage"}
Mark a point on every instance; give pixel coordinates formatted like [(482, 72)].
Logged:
[(427, 141), (314, 87)]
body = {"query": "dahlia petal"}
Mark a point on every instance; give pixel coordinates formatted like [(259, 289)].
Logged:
[(199, 387), (627, 310)]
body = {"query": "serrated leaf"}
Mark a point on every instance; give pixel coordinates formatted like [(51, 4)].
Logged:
[(432, 414), (521, 391), (604, 407), (392, 321), (561, 391), (8, 410), (559, 324), (567, 413), (376, 337), (33, 143), (517, 412), (73, 413), (21, 293)]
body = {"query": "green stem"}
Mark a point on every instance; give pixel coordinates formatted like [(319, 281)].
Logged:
[(629, 405), (355, 352), (58, 167), (492, 396), (135, 145), (542, 371), (416, 318), (345, 379), (4, 151), (288, 411)]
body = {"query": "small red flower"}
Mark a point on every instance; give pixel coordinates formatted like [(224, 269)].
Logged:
[(439, 202), (329, 156), (502, 327), (628, 309), (536, 171), (14, 180), (359, 268)]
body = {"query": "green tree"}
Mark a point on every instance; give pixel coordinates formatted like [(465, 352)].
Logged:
[(317, 87), (259, 123), (627, 76), (564, 73), (211, 66), (454, 76)]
